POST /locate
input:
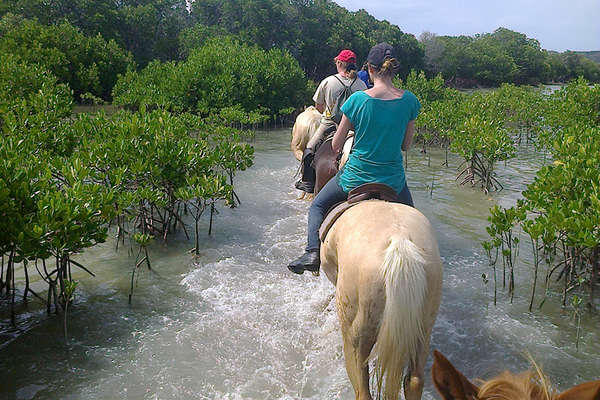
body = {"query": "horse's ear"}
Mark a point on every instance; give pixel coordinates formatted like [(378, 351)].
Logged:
[(451, 384), (584, 391)]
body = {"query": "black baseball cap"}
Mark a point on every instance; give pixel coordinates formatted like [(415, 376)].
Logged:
[(379, 53)]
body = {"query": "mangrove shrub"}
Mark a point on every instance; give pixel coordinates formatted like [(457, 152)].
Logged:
[(86, 64), (222, 73)]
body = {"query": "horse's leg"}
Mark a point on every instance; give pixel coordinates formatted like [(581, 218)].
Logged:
[(414, 378), (359, 339)]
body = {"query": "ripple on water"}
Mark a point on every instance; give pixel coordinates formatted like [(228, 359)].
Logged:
[(281, 327)]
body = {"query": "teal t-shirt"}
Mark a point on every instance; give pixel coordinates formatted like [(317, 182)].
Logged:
[(379, 126)]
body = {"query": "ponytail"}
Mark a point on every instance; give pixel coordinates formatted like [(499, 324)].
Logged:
[(389, 67), (351, 71)]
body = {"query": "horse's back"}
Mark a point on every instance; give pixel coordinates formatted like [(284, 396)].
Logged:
[(365, 232), (354, 252)]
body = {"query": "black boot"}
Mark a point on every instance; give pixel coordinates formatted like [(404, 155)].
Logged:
[(307, 187), (309, 261), (307, 183)]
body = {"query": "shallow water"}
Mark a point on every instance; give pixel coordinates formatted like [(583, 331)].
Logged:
[(235, 324)]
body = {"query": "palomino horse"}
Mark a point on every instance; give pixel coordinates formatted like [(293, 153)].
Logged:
[(383, 259), (530, 385), (305, 126), (307, 122)]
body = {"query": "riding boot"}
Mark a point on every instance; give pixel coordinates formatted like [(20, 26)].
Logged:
[(309, 261), (307, 183)]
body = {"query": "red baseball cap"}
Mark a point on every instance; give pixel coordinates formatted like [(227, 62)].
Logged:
[(347, 56)]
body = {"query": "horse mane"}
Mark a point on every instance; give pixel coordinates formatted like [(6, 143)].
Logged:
[(529, 385)]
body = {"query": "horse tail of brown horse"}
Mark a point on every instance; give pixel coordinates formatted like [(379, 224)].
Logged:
[(401, 329)]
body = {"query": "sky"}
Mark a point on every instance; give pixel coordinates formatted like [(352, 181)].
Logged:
[(558, 25)]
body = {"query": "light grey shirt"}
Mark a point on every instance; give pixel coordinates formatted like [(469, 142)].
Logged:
[(329, 91)]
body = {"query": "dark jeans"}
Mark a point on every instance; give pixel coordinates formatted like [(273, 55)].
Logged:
[(331, 194)]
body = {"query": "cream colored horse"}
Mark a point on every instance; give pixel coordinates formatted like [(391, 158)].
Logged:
[(304, 128), (383, 259)]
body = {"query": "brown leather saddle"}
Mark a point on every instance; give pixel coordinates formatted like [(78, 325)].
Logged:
[(367, 191)]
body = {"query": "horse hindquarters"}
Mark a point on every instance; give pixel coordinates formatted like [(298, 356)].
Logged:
[(383, 259), (304, 127)]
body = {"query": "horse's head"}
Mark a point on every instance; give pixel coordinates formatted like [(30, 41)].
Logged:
[(530, 385)]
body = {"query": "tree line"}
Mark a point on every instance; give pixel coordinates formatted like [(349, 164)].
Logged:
[(503, 56), (310, 31)]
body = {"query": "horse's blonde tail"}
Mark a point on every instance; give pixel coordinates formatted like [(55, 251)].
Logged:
[(401, 329)]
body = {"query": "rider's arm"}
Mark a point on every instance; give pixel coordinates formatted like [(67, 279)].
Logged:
[(340, 135), (408, 136), (320, 107)]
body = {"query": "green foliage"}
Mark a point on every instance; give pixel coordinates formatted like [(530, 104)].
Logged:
[(567, 192), (502, 221), (313, 31), (503, 56), (570, 65), (577, 104), (86, 64), (483, 127), (50, 208), (440, 107), (196, 36), (428, 90), (482, 139), (521, 107), (223, 74), (560, 209), (64, 180), (148, 28), (156, 86), (30, 96)]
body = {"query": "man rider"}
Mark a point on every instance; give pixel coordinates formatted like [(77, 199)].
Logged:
[(326, 100)]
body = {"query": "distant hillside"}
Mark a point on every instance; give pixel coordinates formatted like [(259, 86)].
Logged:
[(592, 55)]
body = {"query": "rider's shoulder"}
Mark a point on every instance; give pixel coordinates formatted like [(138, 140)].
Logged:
[(409, 94)]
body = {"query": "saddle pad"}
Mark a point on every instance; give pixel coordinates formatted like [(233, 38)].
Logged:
[(331, 217)]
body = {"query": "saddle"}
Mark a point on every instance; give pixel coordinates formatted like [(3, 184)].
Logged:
[(367, 191)]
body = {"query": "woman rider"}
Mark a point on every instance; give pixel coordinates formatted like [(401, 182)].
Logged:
[(383, 119)]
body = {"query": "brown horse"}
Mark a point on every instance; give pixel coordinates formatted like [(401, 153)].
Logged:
[(530, 385), (383, 259), (326, 161)]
